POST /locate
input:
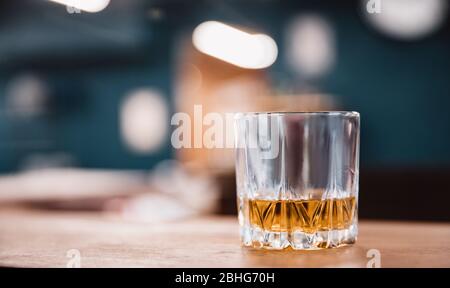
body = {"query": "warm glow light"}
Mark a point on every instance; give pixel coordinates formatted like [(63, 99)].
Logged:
[(252, 51), (85, 5)]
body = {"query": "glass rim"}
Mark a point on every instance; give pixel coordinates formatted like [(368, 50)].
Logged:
[(304, 113)]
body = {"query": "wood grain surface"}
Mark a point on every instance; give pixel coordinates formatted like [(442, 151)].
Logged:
[(31, 238)]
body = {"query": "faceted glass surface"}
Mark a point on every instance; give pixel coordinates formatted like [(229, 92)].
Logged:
[(297, 179)]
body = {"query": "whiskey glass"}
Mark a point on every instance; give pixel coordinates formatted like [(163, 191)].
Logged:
[(297, 179)]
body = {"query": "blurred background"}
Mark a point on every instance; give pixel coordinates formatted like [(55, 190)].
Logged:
[(88, 90)]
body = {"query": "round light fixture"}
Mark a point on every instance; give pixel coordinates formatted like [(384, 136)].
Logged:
[(143, 120), (406, 19)]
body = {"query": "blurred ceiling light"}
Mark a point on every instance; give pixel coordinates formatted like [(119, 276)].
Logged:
[(85, 5), (311, 46), (408, 19), (251, 51), (143, 119)]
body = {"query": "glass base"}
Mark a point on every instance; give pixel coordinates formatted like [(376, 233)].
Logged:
[(261, 239)]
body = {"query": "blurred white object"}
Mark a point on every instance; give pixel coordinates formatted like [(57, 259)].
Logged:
[(229, 44), (197, 191), (155, 208), (26, 96), (311, 48), (176, 194), (170, 193), (143, 120), (408, 19), (67, 184)]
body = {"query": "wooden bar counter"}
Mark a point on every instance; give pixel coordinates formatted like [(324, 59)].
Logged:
[(35, 238)]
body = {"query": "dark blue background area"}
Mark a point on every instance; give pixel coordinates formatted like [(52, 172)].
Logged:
[(400, 88)]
